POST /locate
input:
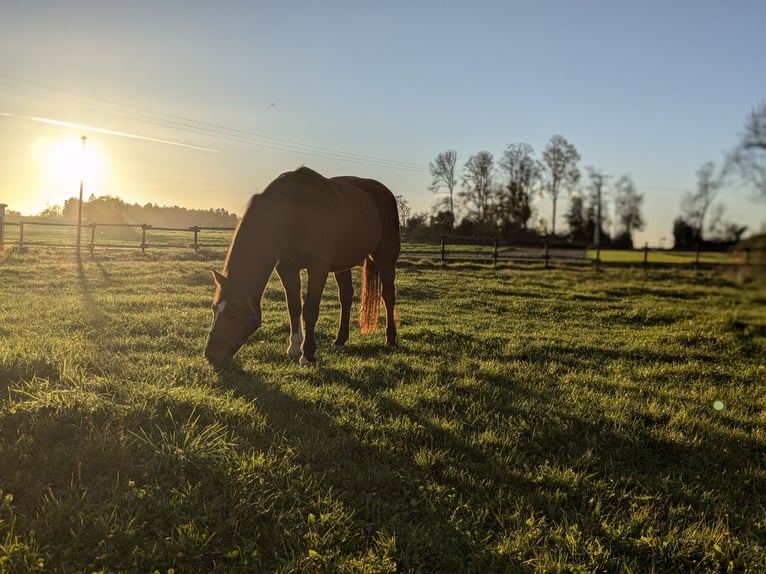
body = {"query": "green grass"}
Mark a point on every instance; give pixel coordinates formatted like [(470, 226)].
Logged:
[(666, 257), (531, 420)]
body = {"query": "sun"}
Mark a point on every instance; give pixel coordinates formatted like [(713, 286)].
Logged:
[(64, 162)]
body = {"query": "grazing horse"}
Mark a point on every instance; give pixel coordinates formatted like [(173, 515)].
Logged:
[(303, 220)]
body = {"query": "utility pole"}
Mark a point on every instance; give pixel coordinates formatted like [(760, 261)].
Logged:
[(2, 224), (79, 210), (597, 179)]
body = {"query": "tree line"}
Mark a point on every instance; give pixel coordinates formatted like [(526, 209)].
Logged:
[(110, 210), (495, 196)]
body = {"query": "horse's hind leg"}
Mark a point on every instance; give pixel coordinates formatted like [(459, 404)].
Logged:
[(345, 296), (291, 281), (387, 273)]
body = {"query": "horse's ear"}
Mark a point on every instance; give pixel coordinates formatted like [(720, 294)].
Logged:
[(219, 279)]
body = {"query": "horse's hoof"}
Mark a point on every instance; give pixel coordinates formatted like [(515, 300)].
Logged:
[(304, 362), (294, 350)]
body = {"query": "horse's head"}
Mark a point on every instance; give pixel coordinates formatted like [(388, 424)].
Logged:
[(235, 318)]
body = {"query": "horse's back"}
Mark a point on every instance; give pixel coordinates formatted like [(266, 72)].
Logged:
[(385, 209), (339, 221)]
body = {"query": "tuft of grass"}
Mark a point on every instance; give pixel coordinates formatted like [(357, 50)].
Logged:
[(530, 420)]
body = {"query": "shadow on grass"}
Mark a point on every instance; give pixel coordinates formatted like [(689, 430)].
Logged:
[(385, 490), (388, 489)]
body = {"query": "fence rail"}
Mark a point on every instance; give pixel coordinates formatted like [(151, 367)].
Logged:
[(116, 236), (450, 249)]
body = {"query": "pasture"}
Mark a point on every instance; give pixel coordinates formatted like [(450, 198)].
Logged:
[(530, 420)]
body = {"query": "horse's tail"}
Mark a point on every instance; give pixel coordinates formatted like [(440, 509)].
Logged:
[(372, 295)]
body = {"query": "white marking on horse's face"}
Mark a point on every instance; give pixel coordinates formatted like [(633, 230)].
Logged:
[(218, 310)]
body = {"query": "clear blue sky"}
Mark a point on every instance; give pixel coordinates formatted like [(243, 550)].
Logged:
[(653, 89)]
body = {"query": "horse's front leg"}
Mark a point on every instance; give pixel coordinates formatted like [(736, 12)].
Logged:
[(291, 282), (345, 297), (316, 283)]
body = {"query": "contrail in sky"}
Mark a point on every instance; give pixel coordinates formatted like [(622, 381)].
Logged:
[(103, 131)]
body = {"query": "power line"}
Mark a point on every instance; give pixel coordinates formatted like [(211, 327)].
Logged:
[(218, 131)]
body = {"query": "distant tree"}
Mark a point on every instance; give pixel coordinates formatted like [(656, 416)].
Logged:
[(560, 170), (750, 155), (578, 219), (685, 236), (522, 174), (12, 215), (69, 211), (442, 222), (478, 188), (443, 173), (628, 210), (404, 211), (105, 209), (417, 224), (721, 230), (695, 206), (51, 212)]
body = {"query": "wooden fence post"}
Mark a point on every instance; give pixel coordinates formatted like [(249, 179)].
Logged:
[(195, 229), (21, 235), (547, 254), (646, 255), (92, 238), (144, 227), (494, 254), (444, 248)]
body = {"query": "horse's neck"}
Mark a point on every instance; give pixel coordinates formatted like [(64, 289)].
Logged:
[(258, 243), (250, 263)]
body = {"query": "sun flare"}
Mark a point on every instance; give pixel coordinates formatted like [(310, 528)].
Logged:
[(64, 162)]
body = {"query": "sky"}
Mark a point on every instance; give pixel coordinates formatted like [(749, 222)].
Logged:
[(202, 104)]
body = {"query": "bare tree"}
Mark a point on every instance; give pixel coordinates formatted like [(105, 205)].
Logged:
[(478, 186), (628, 208), (443, 173), (404, 212), (750, 154), (560, 169), (522, 172), (695, 205)]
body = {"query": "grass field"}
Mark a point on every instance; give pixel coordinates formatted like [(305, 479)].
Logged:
[(666, 257), (530, 421)]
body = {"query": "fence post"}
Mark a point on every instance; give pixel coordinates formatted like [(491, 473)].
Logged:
[(444, 248), (494, 254), (21, 235), (598, 257), (2, 224), (92, 238), (646, 254), (195, 229), (144, 227), (547, 254)]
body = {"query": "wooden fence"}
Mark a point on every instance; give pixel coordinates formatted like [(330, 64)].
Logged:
[(116, 236), (143, 237)]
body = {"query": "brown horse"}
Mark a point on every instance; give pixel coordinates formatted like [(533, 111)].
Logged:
[(303, 220)]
